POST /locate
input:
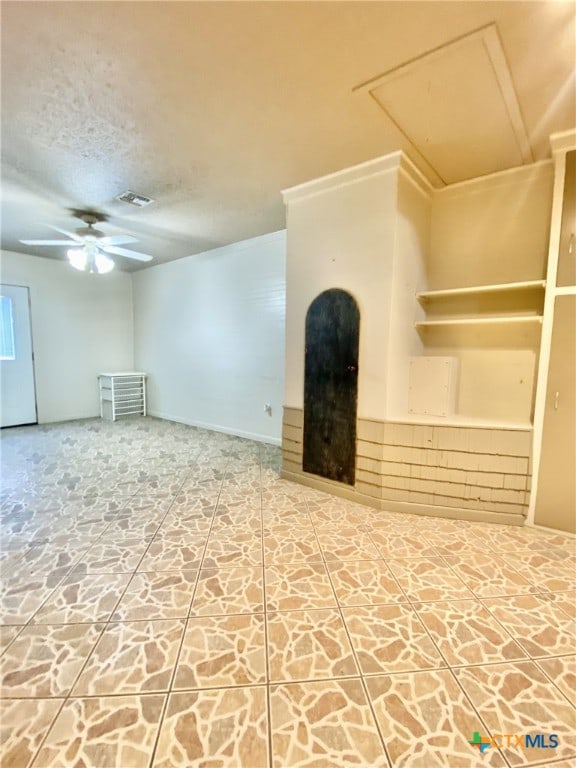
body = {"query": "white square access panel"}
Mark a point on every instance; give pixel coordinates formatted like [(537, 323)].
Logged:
[(432, 386)]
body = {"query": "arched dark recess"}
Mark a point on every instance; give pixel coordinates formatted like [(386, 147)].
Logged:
[(331, 386)]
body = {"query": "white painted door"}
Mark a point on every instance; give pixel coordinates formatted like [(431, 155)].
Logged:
[(17, 390)]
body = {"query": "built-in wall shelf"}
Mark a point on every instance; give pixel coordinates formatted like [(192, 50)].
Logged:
[(526, 285), (484, 321), (520, 304), (459, 420)]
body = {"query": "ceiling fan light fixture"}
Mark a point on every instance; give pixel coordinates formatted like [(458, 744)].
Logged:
[(89, 248), (102, 264), (90, 259), (78, 258)]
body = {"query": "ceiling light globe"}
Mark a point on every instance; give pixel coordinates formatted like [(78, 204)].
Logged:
[(103, 264), (77, 258)]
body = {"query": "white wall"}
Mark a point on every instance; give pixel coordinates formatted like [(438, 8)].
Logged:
[(410, 249), (341, 235), (209, 331), (81, 325), (494, 229)]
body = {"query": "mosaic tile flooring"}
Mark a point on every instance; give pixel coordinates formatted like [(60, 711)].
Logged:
[(167, 600)]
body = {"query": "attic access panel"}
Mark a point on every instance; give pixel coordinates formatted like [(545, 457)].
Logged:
[(458, 108)]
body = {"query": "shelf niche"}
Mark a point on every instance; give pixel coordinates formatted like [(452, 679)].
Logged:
[(494, 331)]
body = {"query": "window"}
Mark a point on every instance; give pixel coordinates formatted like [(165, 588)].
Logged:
[(6, 329)]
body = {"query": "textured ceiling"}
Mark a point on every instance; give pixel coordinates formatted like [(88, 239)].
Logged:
[(211, 108)]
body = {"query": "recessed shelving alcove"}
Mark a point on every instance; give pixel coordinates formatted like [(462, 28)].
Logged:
[(494, 332)]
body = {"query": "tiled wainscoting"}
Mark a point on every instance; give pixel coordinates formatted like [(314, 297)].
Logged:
[(469, 472)]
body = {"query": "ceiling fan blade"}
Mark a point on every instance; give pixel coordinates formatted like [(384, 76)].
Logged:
[(73, 235), (48, 242), (125, 252), (117, 239)]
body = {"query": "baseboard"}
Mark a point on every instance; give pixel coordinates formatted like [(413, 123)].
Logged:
[(557, 531), (217, 428)]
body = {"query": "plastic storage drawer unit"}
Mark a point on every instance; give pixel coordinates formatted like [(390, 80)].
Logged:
[(122, 394)]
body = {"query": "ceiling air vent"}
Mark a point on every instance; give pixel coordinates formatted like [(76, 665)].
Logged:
[(134, 199)]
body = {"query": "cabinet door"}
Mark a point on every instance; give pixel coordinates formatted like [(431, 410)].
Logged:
[(567, 251), (556, 491)]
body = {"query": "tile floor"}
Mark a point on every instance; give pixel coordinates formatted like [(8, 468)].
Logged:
[(168, 601)]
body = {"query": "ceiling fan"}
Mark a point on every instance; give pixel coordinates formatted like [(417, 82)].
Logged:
[(90, 246)]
